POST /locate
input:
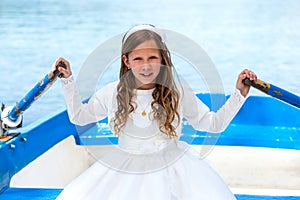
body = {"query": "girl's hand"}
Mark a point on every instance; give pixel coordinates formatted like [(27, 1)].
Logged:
[(66, 72), (244, 89)]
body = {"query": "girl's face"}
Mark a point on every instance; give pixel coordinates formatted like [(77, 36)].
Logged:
[(145, 62)]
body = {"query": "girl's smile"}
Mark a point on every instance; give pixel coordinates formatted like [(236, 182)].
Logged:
[(146, 76)]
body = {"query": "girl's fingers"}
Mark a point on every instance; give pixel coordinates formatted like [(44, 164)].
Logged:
[(249, 74), (66, 72)]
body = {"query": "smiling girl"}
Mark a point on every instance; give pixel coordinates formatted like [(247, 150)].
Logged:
[(145, 109)]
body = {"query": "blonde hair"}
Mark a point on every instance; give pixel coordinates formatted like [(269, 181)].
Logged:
[(165, 95)]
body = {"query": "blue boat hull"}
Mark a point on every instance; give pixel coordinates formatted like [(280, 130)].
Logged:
[(51, 194), (262, 122)]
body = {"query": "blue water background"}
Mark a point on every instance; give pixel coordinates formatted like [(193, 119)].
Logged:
[(263, 36)]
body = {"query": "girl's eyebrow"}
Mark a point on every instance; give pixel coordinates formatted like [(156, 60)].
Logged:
[(153, 56)]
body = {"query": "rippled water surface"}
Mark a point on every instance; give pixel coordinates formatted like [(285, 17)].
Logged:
[(261, 35)]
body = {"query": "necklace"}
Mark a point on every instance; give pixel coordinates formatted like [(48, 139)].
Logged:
[(143, 113)]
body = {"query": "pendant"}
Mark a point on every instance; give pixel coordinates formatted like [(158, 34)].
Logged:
[(144, 113)]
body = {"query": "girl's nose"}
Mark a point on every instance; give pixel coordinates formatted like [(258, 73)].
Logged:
[(146, 65)]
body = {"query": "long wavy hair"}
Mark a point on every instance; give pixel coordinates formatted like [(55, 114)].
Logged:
[(165, 95)]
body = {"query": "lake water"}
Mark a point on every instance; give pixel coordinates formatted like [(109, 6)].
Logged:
[(263, 36)]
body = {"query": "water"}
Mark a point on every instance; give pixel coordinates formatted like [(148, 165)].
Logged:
[(261, 35)]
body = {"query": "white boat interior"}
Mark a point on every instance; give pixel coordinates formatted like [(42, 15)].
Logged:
[(247, 170)]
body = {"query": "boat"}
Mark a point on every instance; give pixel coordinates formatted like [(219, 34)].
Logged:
[(258, 155)]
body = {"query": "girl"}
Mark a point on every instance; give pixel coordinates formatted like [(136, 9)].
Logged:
[(145, 108)]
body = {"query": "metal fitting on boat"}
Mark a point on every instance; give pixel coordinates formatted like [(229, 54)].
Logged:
[(6, 122)]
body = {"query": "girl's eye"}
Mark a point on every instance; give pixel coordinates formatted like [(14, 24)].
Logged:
[(153, 57), (137, 58)]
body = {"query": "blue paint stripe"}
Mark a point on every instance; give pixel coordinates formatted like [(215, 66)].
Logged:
[(51, 194)]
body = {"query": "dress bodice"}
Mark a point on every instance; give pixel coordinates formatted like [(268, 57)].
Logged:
[(141, 134)]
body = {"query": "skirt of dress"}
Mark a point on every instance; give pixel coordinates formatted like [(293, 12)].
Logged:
[(177, 173)]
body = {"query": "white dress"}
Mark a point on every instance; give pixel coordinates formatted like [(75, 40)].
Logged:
[(147, 165)]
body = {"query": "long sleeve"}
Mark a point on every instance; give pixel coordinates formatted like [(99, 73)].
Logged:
[(202, 119), (94, 110)]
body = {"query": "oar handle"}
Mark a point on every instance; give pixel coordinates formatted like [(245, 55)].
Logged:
[(274, 91), (35, 93)]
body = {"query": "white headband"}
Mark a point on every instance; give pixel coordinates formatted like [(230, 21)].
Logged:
[(144, 27)]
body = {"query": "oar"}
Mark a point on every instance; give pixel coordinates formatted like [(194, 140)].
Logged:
[(274, 91), (12, 116)]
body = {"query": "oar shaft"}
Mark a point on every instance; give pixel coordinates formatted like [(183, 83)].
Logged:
[(275, 91), (34, 94), (31, 96)]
